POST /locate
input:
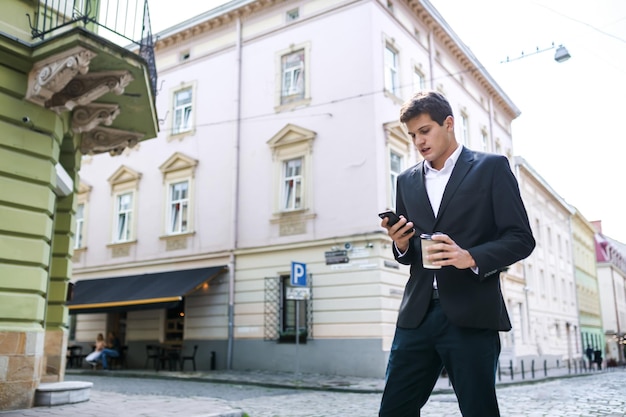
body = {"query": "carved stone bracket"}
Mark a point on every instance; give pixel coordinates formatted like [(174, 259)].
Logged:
[(86, 118), (106, 139), (52, 74), (86, 88)]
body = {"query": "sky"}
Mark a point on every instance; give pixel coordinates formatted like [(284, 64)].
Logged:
[(572, 127)]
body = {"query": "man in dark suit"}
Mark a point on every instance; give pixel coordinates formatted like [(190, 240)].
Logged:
[(450, 317)]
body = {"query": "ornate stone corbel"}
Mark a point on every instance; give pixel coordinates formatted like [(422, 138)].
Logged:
[(51, 75), (84, 89), (87, 117), (105, 139)]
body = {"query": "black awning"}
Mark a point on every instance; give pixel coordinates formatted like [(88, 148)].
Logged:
[(138, 292)]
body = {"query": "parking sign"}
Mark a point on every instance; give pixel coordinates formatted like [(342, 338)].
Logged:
[(298, 274)]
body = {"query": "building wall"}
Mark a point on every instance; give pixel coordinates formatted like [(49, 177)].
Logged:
[(590, 314), (549, 270), (35, 228), (345, 127)]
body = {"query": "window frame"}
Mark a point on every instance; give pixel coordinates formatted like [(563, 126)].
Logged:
[(128, 214), (176, 131), (292, 196), (400, 143), (170, 228), (123, 181), (294, 99), (178, 168), (391, 73)]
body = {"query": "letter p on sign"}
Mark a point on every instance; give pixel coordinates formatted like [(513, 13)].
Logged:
[(298, 274)]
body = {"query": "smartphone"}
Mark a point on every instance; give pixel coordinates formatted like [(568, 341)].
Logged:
[(393, 219)]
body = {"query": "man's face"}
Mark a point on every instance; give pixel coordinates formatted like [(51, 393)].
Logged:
[(435, 143)]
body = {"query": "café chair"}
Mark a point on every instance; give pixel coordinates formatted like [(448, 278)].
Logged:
[(191, 358), (152, 353)]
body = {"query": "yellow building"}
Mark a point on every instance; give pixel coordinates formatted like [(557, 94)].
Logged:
[(65, 91)]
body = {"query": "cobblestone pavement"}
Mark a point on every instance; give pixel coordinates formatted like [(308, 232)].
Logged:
[(128, 394)]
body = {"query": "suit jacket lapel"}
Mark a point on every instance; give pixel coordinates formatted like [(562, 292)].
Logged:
[(462, 166)]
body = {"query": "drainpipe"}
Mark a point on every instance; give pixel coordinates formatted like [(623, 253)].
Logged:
[(232, 260)]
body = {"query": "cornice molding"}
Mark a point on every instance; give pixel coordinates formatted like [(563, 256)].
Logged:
[(51, 75), (87, 117), (83, 89), (106, 139)]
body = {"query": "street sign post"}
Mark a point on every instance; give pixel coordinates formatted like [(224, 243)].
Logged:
[(298, 280)]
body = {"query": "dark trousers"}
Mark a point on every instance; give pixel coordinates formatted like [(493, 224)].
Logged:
[(417, 357)]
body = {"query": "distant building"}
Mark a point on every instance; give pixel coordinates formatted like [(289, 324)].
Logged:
[(611, 258), (65, 91), (279, 142), (549, 280), (587, 288)]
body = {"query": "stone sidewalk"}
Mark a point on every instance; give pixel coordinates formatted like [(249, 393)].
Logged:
[(107, 403)]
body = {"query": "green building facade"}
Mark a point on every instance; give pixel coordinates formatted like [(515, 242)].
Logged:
[(65, 91)]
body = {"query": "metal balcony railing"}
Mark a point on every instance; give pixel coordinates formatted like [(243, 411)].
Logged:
[(120, 21)]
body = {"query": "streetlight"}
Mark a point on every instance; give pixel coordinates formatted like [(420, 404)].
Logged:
[(561, 54)]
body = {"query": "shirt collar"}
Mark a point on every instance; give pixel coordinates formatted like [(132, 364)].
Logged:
[(448, 165)]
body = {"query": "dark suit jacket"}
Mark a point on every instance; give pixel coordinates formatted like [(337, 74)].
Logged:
[(482, 211)]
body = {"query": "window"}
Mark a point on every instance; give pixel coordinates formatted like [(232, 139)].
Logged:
[(293, 14), (289, 311), (395, 168), (391, 71), (178, 207), (293, 77), (419, 81), (399, 151), (182, 111), (123, 215), (80, 223), (124, 185), (485, 140), (464, 129), (292, 184), (178, 201), (292, 152)]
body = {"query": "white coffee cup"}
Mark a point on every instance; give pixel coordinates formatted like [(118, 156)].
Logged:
[(427, 241)]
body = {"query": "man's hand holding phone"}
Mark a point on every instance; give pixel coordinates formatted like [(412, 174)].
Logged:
[(400, 230)]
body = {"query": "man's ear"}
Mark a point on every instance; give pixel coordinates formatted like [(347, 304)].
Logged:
[(449, 122)]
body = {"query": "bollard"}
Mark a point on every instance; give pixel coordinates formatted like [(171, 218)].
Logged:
[(569, 367), (511, 368), (545, 367), (532, 368), (522, 364), (499, 372), (213, 360)]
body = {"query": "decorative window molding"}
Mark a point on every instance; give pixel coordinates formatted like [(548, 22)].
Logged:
[(398, 143), (465, 128), (124, 187), (292, 147), (391, 68), (293, 80), (419, 79), (178, 175), (183, 109)]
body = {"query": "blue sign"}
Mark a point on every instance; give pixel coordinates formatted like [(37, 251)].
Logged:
[(298, 274)]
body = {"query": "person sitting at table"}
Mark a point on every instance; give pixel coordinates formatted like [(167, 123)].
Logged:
[(94, 356), (112, 349)]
